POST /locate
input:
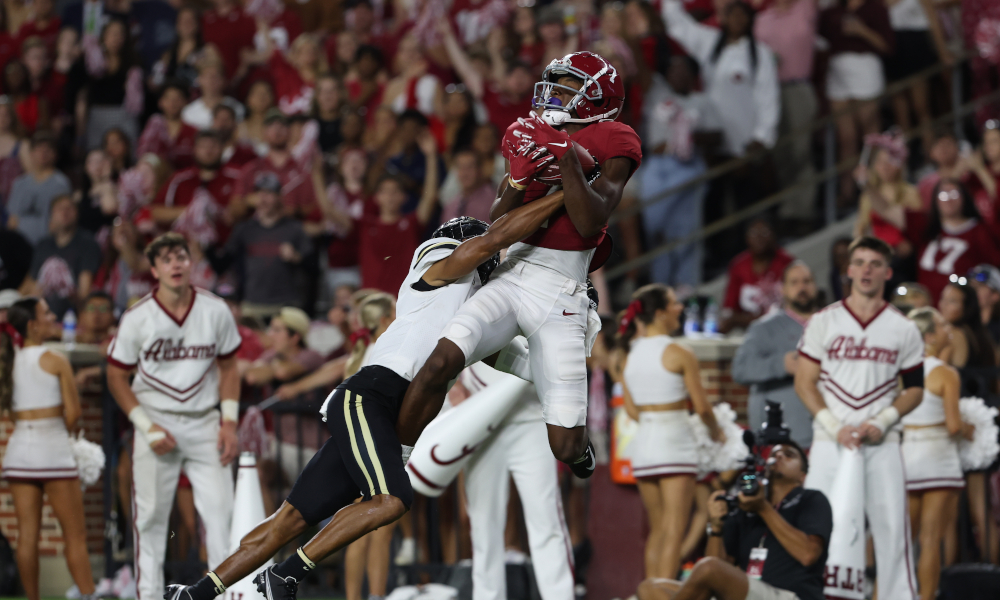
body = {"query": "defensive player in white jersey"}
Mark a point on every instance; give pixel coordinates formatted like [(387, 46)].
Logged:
[(539, 291), (181, 341), (856, 351), (363, 455)]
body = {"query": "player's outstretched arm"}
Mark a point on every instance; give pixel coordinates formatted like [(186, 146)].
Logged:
[(508, 229)]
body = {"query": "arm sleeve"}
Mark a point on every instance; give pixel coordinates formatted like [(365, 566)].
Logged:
[(767, 98), (228, 334), (623, 141), (811, 344), (912, 355), (123, 352), (696, 38), (756, 361)]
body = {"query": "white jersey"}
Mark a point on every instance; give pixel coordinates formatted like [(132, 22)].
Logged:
[(421, 315), (175, 359), (861, 362)]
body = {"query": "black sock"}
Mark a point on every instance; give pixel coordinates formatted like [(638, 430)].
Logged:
[(207, 588), (295, 566)]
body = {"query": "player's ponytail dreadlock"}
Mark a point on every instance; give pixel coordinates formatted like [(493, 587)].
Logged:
[(645, 302), (12, 334), (371, 312)]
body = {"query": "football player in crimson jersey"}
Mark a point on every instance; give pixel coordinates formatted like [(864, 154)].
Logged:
[(539, 291)]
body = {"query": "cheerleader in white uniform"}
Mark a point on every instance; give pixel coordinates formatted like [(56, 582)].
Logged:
[(37, 389), (660, 376), (930, 451)]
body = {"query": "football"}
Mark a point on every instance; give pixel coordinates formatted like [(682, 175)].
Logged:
[(552, 175)]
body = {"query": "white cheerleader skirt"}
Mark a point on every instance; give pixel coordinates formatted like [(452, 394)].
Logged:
[(930, 460), (664, 445), (39, 449)]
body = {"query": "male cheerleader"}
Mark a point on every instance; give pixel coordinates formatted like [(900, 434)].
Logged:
[(362, 456), (856, 351), (539, 291), (181, 341)]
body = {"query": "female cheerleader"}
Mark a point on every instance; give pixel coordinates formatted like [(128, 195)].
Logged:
[(371, 552), (38, 390), (660, 377), (930, 451)]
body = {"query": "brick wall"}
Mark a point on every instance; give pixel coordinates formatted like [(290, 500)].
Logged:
[(51, 542), (717, 379)]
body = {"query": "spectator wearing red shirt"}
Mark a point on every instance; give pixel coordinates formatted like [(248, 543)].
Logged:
[(207, 175), (506, 95), (46, 82), (230, 30), (165, 134), (362, 82), (754, 277), (295, 75), (951, 239), (389, 239), (235, 154), (44, 25), (32, 110), (349, 196), (297, 193)]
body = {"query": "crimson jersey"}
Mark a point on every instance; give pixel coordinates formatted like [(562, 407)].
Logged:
[(953, 251), (180, 189), (604, 140)]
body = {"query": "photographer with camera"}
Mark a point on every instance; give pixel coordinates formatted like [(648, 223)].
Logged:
[(772, 546)]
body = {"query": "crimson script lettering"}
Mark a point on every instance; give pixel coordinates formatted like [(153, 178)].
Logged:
[(169, 350), (845, 348)]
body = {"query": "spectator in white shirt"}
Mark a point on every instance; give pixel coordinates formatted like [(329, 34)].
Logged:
[(740, 74), (211, 82)]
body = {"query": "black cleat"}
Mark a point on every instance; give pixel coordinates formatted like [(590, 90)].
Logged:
[(178, 592), (584, 466), (275, 587)]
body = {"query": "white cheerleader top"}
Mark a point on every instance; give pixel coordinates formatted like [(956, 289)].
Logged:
[(33, 387), (647, 380), (930, 411)]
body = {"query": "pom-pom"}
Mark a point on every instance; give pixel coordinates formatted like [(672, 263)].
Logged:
[(714, 457), (982, 450), (253, 433), (89, 460)]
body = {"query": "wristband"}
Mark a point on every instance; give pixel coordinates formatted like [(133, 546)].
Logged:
[(230, 410), (406, 451), (515, 185), (143, 424), (828, 422), (886, 418)]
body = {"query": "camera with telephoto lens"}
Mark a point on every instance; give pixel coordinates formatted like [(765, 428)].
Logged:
[(751, 473)]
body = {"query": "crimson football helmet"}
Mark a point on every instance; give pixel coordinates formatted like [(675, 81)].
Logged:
[(599, 99)]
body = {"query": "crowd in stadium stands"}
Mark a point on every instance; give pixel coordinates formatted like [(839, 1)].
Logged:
[(305, 148)]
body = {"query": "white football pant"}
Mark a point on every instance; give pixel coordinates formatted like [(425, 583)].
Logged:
[(886, 506), (154, 485), (520, 450)]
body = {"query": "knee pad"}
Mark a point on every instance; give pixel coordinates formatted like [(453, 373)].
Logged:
[(564, 408)]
